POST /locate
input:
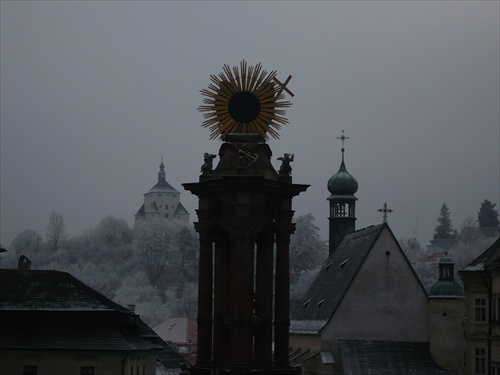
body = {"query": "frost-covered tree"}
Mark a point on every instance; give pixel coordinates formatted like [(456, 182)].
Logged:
[(444, 229), (155, 242), (136, 290), (56, 231), (113, 232), (469, 233), (307, 249), (487, 217), (188, 249), (28, 242)]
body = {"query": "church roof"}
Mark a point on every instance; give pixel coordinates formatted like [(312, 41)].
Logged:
[(333, 280), (389, 357)]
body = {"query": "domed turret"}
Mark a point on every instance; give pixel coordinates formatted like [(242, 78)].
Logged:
[(342, 183), (446, 286)]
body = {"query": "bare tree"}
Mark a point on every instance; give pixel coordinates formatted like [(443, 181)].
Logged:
[(56, 232), (27, 242), (156, 241)]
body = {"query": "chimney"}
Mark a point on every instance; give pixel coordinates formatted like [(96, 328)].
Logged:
[(131, 308), (24, 263)]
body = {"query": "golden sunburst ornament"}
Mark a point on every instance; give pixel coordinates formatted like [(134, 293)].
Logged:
[(244, 100)]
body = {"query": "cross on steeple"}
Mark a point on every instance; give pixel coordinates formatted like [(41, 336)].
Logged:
[(343, 138), (384, 211)]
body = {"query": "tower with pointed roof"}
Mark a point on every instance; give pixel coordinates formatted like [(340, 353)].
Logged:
[(162, 201), (342, 187)]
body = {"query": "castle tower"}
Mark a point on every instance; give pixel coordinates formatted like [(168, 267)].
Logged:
[(446, 314), (162, 201), (244, 226), (342, 187)]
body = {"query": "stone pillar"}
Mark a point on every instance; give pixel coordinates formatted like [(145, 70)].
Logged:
[(205, 295), (222, 283), (263, 304), (241, 271), (282, 294)]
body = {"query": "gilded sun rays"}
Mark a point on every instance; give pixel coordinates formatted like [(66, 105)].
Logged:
[(244, 100)]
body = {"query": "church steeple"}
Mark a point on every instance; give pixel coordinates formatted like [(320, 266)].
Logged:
[(342, 187)]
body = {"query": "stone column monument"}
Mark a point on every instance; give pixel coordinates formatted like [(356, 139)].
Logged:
[(244, 225)]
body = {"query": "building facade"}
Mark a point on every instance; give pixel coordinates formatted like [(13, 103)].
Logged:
[(51, 323), (482, 329), (162, 201)]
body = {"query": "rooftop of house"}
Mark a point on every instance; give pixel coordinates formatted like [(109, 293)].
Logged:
[(177, 330), (389, 357), (53, 310), (489, 259)]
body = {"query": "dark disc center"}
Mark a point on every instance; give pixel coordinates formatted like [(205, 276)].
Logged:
[(244, 106)]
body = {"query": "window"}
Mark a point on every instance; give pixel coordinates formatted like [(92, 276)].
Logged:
[(30, 370), (480, 361), (480, 310), (87, 370)]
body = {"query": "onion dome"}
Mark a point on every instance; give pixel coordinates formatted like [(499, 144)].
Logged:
[(446, 286), (342, 183)]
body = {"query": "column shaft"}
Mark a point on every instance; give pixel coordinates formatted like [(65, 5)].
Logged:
[(264, 300), (205, 299)]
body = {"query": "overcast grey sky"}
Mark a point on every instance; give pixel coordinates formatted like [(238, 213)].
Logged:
[(93, 93)]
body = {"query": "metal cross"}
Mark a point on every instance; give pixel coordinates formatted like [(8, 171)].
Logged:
[(283, 86), (343, 138), (385, 211)]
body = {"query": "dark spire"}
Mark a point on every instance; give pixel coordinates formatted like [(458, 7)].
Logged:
[(161, 173)]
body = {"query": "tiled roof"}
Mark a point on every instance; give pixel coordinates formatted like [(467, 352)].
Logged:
[(489, 258), (53, 310), (180, 210), (162, 187), (49, 290), (389, 357), (333, 280), (141, 211), (152, 209)]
